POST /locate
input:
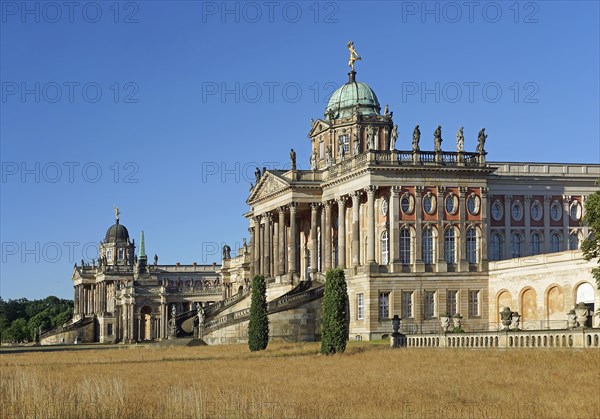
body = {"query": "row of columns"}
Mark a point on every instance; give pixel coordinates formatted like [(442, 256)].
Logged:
[(262, 232), (91, 298)]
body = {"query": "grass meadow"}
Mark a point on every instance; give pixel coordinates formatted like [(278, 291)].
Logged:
[(291, 380)]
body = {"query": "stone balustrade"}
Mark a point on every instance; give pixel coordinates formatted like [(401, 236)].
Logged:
[(584, 338)]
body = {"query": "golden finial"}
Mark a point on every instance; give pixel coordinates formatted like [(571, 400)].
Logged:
[(353, 55)]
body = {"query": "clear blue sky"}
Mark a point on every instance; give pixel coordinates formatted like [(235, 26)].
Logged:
[(185, 98)]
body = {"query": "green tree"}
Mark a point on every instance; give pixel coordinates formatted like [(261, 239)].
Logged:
[(258, 327), (591, 244), (335, 299), (17, 332)]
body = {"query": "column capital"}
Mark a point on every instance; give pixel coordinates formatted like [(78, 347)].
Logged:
[(293, 206), (328, 203), (463, 190), (484, 191), (314, 206), (370, 190), (341, 200), (566, 198), (419, 190), (441, 190), (257, 218), (547, 199), (281, 209), (508, 198), (527, 199), (395, 190), (355, 195)]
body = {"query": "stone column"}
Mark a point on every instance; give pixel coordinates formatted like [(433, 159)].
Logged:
[(321, 238), (547, 245), (314, 214), (257, 244), (341, 201), (252, 251), (463, 264), (507, 218), (394, 224), (355, 229), (281, 248), (527, 221), (566, 216), (483, 251), (293, 240), (267, 245), (419, 265), (275, 248), (370, 190), (442, 266), (326, 237)]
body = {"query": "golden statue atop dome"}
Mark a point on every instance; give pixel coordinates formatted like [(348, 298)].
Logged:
[(353, 55)]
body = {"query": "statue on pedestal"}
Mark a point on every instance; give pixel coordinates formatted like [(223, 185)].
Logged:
[(293, 159), (437, 139), (394, 137), (370, 134), (460, 141), (481, 137), (173, 323), (356, 144), (353, 55), (416, 138), (313, 160)]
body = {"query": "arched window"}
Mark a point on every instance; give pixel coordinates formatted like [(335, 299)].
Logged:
[(472, 246), (496, 247), (450, 246), (385, 248), (573, 241), (405, 243), (555, 242), (428, 249), (515, 242), (536, 244)]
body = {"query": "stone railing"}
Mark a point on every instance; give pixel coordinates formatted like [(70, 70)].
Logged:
[(196, 289), (285, 302), (577, 338)]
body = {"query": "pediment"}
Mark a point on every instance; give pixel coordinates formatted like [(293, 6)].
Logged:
[(269, 184), (319, 127)]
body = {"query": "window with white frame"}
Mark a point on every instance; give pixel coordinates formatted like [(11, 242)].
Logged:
[(360, 306), (473, 204), (517, 211), (407, 203), (450, 246), (474, 303), (451, 203), (556, 211), (384, 305), (429, 304), (516, 242), (536, 244), (429, 203), (472, 246), (451, 302), (345, 140), (385, 248), (405, 246), (575, 211), (555, 242), (573, 241), (407, 304), (536, 211), (428, 246), (496, 247), (109, 255), (121, 254), (497, 211)]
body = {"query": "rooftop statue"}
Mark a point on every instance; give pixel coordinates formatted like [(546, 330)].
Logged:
[(460, 141), (353, 55), (437, 139), (394, 137), (117, 213), (481, 137), (293, 159), (416, 138)]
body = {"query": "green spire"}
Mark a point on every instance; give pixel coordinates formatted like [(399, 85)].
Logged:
[(142, 245)]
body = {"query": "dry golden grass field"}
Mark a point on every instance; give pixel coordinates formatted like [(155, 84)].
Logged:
[(294, 381)]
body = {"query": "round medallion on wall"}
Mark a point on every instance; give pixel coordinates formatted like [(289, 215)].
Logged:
[(556, 211), (407, 203), (473, 204), (451, 204), (429, 203), (497, 210), (536, 211), (517, 211), (384, 207)]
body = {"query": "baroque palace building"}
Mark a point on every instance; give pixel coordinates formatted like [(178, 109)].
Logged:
[(422, 234)]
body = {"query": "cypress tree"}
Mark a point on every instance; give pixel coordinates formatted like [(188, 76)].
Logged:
[(258, 327), (334, 335)]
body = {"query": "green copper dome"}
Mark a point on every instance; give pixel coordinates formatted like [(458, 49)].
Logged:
[(351, 95)]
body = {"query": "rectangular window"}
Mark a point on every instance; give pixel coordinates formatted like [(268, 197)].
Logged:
[(109, 329), (407, 304), (451, 302), (345, 140), (384, 305), (321, 150), (360, 306), (474, 303), (429, 303)]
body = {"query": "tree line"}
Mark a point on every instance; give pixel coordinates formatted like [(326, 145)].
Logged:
[(22, 319)]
